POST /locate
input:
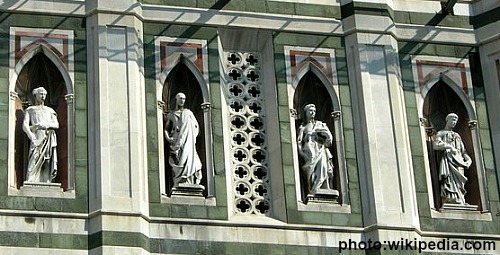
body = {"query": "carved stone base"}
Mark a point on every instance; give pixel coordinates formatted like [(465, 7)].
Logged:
[(457, 207), (323, 196), (184, 189), (40, 189), (45, 185)]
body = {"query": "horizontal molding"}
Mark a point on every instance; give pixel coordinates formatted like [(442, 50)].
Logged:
[(432, 34), (50, 7), (377, 25), (169, 14), (276, 22), (275, 225), (40, 251), (486, 18), (46, 214), (196, 240)]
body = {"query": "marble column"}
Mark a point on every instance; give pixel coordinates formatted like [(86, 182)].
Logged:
[(117, 124), (383, 148)]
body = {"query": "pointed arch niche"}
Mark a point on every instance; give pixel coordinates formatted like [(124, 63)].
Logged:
[(443, 86), (311, 78), (41, 59), (182, 67)]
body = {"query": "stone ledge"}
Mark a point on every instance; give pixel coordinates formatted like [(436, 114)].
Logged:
[(193, 190), (461, 214), (323, 207), (188, 200), (52, 190), (456, 207)]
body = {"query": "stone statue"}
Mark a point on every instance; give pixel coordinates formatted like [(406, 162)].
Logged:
[(313, 140), (181, 131), (453, 160), (39, 124)]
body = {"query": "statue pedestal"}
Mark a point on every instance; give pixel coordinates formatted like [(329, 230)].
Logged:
[(458, 207), (323, 196), (40, 189), (44, 185), (184, 189)]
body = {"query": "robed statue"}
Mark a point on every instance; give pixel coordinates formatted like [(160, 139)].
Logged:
[(313, 141), (453, 160), (40, 123), (181, 130)]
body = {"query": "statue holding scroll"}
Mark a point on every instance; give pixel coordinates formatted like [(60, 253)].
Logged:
[(39, 124)]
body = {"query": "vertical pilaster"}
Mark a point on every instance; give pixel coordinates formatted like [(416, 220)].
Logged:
[(117, 148), (386, 174), (489, 52)]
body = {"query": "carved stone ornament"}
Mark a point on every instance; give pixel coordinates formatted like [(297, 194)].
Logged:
[(161, 105), (181, 131), (453, 161), (313, 141), (13, 95), (336, 115), (244, 92), (206, 106), (424, 122), (69, 98), (429, 129), (472, 124), (40, 123)]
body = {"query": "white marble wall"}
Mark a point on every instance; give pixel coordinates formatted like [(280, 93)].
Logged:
[(490, 62), (386, 175), (117, 147), (117, 130)]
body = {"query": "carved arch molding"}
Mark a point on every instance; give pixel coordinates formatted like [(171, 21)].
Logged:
[(182, 67), (41, 58), (444, 86), (312, 79)]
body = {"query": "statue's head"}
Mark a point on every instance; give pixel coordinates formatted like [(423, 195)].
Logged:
[(180, 99), (40, 94), (310, 111), (451, 119)]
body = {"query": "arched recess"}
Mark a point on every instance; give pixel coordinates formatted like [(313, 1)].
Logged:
[(442, 96), (312, 86), (183, 76), (41, 67)]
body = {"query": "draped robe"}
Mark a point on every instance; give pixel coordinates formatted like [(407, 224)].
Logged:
[(42, 164), (184, 160), (451, 166), (317, 168)]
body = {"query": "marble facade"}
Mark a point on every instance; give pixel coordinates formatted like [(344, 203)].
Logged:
[(375, 65)]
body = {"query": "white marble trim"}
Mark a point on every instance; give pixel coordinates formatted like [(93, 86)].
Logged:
[(203, 80), (236, 19), (294, 76), (67, 72), (468, 100)]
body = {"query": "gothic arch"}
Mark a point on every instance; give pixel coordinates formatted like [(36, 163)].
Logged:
[(65, 112), (332, 118), (311, 67), (194, 70), (200, 107), (440, 96), (471, 112), (49, 53)]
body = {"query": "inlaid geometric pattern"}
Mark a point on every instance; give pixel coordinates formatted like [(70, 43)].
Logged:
[(59, 42), (249, 157), (429, 69)]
